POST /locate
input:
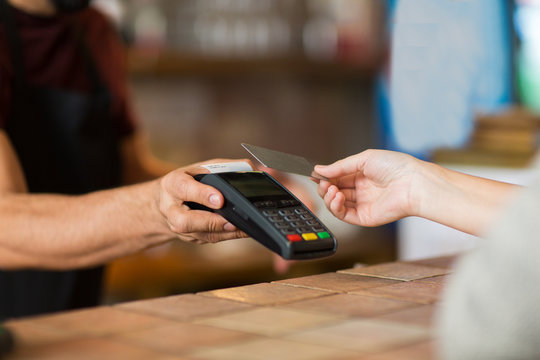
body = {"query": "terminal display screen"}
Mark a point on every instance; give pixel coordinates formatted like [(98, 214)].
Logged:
[(255, 185)]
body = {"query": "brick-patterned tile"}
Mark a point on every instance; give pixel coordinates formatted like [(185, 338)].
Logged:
[(337, 282), (419, 291), (367, 335), (444, 262), (351, 305), (270, 321), (181, 337), (422, 351), (174, 357), (266, 294), (265, 349), (441, 280), (398, 271), (86, 349), (184, 307), (29, 335), (419, 315), (98, 321)]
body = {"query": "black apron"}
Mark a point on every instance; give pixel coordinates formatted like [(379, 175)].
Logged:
[(67, 143)]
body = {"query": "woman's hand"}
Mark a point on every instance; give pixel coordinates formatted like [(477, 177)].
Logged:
[(371, 188), (376, 187)]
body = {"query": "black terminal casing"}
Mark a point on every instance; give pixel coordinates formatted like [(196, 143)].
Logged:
[(241, 211)]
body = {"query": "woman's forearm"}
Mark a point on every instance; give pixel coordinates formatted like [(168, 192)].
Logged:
[(464, 202)]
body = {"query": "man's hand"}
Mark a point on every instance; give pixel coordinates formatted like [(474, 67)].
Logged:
[(51, 231), (195, 226)]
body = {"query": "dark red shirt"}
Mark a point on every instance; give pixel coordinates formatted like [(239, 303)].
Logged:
[(53, 58)]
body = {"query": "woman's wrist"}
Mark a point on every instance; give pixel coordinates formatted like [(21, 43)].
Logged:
[(426, 188), (461, 201)]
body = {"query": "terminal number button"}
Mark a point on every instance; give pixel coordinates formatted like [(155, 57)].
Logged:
[(288, 231)]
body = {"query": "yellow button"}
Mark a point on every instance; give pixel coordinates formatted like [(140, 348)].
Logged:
[(309, 236)]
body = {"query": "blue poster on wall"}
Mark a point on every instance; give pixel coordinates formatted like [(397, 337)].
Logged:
[(449, 60)]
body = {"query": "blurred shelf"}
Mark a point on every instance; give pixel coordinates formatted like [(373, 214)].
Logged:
[(478, 157), (170, 63), (508, 138)]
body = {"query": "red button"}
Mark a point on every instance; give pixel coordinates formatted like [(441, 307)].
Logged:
[(294, 237)]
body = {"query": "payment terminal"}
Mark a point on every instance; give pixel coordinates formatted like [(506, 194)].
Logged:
[(260, 206)]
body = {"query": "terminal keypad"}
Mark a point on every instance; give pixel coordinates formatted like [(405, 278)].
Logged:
[(292, 220)]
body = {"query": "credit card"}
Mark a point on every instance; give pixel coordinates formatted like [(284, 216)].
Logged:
[(281, 161)]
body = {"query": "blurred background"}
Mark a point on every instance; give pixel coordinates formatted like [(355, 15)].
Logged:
[(455, 82)]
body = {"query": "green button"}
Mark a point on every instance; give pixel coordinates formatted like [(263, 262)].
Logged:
[(323, 235)]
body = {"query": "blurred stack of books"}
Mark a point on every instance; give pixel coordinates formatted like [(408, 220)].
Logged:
[(506, 139)]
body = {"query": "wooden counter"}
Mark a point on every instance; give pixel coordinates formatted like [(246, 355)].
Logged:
[(373, 312)]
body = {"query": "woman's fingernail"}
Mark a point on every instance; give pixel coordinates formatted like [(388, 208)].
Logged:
[(229, 227), (214, 199)]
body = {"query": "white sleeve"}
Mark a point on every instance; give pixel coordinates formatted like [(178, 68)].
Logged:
[(491, 308)]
